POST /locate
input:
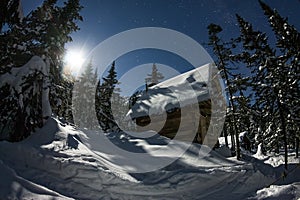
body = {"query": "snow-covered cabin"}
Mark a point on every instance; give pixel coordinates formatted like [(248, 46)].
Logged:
[(171, 106)]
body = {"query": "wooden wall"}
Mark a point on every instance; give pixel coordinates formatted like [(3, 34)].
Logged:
[(190, 128)]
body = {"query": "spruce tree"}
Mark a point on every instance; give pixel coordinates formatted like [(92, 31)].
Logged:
[(10, 13), (224, 57), (154, 77), (256, 52), (288, 42), (42, 33), (274, 79), (83, 104), (105, 92)]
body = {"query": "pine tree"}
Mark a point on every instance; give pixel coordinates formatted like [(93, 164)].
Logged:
[(154, 77), (83, 101), (243, 109), (24, 105), (288, 69), (42, 33), (119, 107), (224, 55), (275, 79), (10, 13), (105, 93), (255, 52)]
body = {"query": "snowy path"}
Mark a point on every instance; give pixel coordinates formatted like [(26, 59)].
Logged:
[(57, 162)]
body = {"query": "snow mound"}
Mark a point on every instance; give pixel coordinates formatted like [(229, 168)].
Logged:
[(15, 187), (224, 151), (282, 192), (60, 162)]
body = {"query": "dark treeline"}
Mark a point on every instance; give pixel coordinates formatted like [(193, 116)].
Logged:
[(264, 100)]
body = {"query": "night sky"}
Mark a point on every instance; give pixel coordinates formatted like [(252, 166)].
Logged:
[(104, 18)]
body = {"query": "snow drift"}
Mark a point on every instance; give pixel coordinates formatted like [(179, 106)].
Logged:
[(60, 162)]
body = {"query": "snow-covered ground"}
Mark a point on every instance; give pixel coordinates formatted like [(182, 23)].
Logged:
[(60, 162)]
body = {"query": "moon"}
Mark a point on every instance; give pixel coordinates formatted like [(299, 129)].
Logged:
[(74, 60)]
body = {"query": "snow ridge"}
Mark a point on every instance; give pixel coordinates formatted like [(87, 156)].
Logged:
[(58, 162)]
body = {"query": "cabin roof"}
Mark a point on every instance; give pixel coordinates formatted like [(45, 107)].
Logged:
[(176, 92)]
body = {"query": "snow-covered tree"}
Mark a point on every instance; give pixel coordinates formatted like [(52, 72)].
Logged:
[(154, 77), (11, 13), (288, 68), (24, 105), (275, 79), (83, 104), (119, 107), (255, 52), (106, 92), (40, 35), (223, 55)]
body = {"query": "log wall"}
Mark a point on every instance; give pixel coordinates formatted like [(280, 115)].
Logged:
[(174, 118)]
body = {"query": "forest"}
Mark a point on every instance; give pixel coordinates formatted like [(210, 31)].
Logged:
[(261, 76), (260, 71)]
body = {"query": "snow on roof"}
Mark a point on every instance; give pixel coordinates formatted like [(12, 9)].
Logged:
[(179, 91)]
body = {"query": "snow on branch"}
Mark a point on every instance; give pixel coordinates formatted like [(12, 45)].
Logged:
[(16, 79)]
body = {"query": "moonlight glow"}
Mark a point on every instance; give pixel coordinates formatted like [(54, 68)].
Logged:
[(74, 60)]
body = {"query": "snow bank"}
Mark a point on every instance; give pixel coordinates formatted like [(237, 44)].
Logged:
[(60, 161), (15, 187), (282, 192), (224, 151)]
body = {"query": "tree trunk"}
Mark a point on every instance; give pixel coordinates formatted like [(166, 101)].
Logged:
[(282, 119), (297, 147), (20, 130), (277, 147), (231, 103), (237, 139), (225, 135), (232, 138)]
